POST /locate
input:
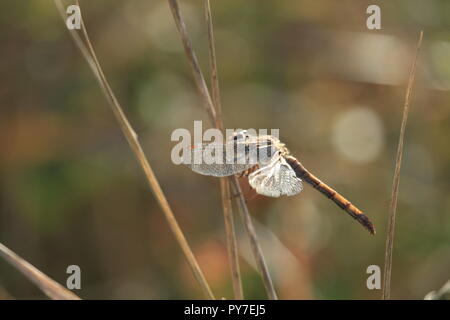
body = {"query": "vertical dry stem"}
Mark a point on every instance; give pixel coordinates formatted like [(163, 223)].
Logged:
[(132, 139), (209, 106), (254, 243), (396, 182), (232, 247)]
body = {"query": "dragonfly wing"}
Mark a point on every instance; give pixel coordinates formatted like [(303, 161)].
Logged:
[(218, 160), (276, 179), (219, 170), (290, 183)]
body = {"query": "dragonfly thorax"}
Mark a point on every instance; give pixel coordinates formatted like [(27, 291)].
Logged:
[(268, 148)]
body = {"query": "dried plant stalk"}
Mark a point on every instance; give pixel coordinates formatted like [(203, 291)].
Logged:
[(209, 106), (396, 182), (256, 248), (213, 62), (47, 285), (133, 141), (232, 248)]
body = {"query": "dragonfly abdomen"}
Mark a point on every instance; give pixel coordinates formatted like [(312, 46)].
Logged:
[(330, 193)]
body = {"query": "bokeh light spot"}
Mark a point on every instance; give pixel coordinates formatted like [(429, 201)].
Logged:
[(358, 134)]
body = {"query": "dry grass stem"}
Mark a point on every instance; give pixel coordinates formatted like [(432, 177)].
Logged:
[(47, 285), (213, 62), (232, 248), (254, 243), (192, 58), (132, 139), (209, 106), (395, 184)]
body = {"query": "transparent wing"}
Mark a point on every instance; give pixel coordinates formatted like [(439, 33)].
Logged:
[(276, 179), (238, 154), (219, 160)]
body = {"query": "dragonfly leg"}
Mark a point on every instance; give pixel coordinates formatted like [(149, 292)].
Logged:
[(249, 195)]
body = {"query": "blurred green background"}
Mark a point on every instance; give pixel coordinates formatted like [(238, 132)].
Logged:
[(71, 192)]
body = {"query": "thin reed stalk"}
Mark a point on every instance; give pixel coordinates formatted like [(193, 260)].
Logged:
[(209, 106), (254, 243), (88, 52), (213, 63), (50, 287), (232, 248), (386, 293)]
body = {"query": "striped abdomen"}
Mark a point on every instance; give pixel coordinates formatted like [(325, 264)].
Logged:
[(330, 193)]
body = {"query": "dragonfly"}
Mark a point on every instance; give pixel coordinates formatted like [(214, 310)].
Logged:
[(271, 170)]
